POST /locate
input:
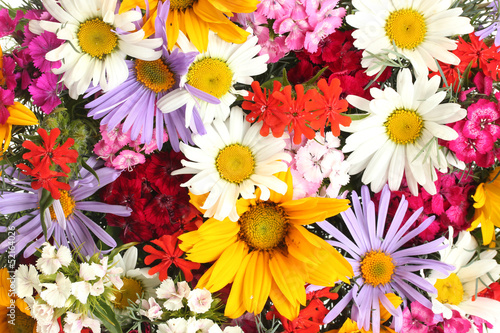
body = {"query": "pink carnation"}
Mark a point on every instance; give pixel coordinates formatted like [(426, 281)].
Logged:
[(128, 159), (40, 46), (45, 91), (7, 24)]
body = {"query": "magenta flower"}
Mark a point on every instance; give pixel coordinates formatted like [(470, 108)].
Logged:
[(45, 92), (40, 46), (7, 24), (418, 319)]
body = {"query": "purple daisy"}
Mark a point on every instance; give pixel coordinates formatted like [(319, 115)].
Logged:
[(148, 81), (380, 264), (66, 223)]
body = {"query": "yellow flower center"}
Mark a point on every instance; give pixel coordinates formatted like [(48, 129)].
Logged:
[(181, 4), (23, 323), (263, 226), (404, 126), (450, 290), (406, 28), (96, 38), (235, 163), (377, 267), (212, 76), (128, 293), (154, 75), (67, 203)]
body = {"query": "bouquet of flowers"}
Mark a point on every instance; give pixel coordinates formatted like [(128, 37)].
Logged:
[(250, 166)]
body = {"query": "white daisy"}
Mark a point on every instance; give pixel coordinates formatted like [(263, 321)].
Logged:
[(136, 281), (472, 274), (215, 72), (97, 42), (417, 28), (231, 159), (399, 135)]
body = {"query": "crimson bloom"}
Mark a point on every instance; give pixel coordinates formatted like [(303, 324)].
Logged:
[(48, 154), (330, 106), (169, 254)]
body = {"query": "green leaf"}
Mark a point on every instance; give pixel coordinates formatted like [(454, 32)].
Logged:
[(89, 169), (45, 202), (356, 116), (316, 77), (108, 317), (285, 78), (121, 248)]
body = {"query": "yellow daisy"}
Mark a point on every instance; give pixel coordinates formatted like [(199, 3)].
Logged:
[(15, 316), (268, 253), (487, 212), (195, 18)]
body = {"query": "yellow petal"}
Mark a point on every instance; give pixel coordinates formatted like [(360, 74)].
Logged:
[(395, 300), (127, 5), (5, 287), (21, 115), (288, 196), (5, 135), (289, 273), (311, 210), (173, 28), (234, 306), (257, 282), (197, 30), (286, 308), (226, 267), (246, 6)]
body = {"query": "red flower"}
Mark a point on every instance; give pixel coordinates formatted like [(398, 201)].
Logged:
[(293, 114), (60, 155), (160, 167), (451, 74), (262, 106), (330, 106), (48, 181), (310, 318), (493, 291), (477, 52), (171, 254)]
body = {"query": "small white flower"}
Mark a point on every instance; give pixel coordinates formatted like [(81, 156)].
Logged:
[(97, 288), (200, 300), (74, 323), (229, 329), (27, 279), (42, 313), (56, 294), (151, 309), (87, 272), (52, 327), (176, 325), (50, 260), (199, 326), (81, 291), (173, 296)]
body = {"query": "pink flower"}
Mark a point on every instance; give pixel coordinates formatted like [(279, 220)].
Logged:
[(23, 60), (128, 159), (482, 117), (274, 9), (115, 136), (199, 300), (9, 78), (151, 309), (7, 24), (40, 46), (45, 92), (418, 319)]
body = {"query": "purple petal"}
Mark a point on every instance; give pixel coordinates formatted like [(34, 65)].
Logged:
[(101, 207)]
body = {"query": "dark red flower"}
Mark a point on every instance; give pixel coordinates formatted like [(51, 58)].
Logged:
[(160, 167), (168, 255)]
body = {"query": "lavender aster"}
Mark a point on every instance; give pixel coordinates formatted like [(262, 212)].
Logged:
[(487, 31), (380, 265), (66, 223), (135, 100)]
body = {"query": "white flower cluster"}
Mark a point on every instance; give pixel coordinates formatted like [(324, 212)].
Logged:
[(316, 160), (59, 285), (198, 300)]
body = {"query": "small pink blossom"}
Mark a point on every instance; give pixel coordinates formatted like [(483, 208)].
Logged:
[(274, 9), (6, 99), (199, 300), (127, 159), (150, 309)]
